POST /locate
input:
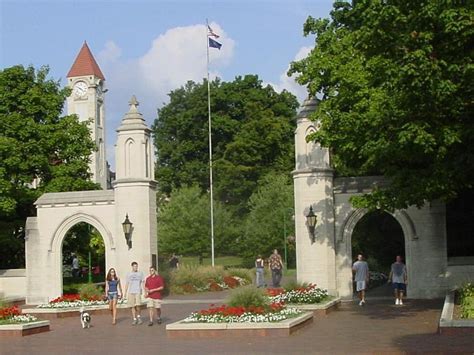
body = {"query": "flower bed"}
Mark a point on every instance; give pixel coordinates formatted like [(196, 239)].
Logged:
[(308, 294), (275, 312), (192, 279), (466, 301), (12, 315), (227, 283), (75, 301)]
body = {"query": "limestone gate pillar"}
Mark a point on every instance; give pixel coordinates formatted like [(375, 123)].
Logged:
[(313, 184), (135, 191)]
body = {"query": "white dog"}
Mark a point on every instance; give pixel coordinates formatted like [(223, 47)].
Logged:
[(85, 319)]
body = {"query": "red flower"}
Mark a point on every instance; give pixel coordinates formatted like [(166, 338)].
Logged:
[(8, 312), (188, 288), (231, 281), (213, 286), (67, 297), (275, 291)]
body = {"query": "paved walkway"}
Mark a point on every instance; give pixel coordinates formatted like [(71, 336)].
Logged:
[(378, 327)]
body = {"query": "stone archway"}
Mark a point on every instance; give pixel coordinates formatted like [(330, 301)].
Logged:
[(344, 247), (57, 239)]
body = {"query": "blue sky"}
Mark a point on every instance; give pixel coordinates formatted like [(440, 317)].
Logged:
[(149, 48)]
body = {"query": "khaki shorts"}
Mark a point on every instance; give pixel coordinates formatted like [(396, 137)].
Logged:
[(153, 303), (134, 299)]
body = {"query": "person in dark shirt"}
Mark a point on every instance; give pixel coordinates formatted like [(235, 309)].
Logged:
[(174, 262)]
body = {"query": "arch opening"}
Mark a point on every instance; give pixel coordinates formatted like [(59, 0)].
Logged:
[(379, 237), (83, 257)]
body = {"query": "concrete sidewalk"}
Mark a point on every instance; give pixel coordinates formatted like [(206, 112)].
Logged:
[(378, 327)]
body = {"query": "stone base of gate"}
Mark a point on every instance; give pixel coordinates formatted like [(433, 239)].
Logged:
[(219, 330), (20, 330), (55, 313), (319, 309), (449, 326)]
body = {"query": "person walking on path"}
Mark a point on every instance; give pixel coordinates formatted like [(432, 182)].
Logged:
[(113, 291), (75, 266), (173, 262), (133, 290), (276, 265), (398, 278), (154, 284), (260, 271), (360, 269)]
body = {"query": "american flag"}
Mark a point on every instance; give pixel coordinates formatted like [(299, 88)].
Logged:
[(211, 33)]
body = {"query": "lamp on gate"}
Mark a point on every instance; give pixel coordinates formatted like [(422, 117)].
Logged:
[(311, 220), (127, 230)]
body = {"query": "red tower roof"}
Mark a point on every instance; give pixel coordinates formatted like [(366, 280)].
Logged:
[(85, 64)]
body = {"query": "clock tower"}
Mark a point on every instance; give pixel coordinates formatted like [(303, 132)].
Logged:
[(87, 102)]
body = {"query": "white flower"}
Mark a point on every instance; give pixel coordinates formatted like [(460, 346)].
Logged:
[(23, 318)]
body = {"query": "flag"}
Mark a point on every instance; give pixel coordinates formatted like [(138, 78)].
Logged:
[(214, 44), (211, 32)]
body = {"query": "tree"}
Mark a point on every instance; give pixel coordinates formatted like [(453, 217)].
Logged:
[(252, 134), (184, 225), (395, 79), (40, 151), (81, 240), (271, 210)]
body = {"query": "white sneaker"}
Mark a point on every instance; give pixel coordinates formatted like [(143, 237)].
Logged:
[(400, 303), (397, 301)]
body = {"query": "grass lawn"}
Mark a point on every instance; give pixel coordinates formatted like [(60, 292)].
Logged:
[(72, 285), (220, 260), (289, 272)]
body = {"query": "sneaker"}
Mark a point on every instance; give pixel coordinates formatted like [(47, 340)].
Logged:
[(361, 303), (158, 321), (139, 320), (150, 323), (400, 303), (397, 301), (134, 322)]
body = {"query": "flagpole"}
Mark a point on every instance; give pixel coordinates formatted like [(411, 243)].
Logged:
[(210, 145)]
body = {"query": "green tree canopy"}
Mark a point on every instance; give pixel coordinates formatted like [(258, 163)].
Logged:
[(252, 135), (270, 220), (397, 96), (184, 224), (40, 150)]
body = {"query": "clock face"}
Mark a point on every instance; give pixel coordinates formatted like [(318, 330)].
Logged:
[(80, 89)]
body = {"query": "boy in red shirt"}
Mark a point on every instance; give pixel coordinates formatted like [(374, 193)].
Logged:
[(154, 284)]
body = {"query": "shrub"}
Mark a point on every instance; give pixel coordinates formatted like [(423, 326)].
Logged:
[(4, 303), (188, 275), (193, 278), (248, 296), (231, 281), (91, 292), (246, 274), (466, 295), (165, 274), (293, 285), (188, 288), (213, 286), (215, 273)]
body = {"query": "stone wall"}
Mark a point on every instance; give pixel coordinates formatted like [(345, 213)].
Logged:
[(12, 283)]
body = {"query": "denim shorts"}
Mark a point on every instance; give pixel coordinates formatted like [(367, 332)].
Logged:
[(112, 296), (399, 286)]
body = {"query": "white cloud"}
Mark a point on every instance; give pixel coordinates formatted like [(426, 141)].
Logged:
[(289, 83), (175, 57), (111, 53)]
